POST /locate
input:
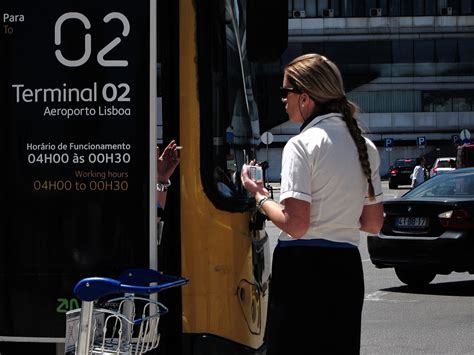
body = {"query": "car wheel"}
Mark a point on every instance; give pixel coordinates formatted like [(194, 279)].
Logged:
[(392, 186), (415, 278)]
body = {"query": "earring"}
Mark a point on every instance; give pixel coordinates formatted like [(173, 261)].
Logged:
[(302, 105)]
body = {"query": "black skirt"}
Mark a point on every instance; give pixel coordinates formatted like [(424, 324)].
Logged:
[(315, 301)]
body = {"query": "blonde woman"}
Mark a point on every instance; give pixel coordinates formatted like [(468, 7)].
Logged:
[(330, 191)]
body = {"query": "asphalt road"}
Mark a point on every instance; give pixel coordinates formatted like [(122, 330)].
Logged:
[(400, 321)]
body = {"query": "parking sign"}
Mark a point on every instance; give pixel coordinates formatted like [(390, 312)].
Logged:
[(421, 142), (388, 144)]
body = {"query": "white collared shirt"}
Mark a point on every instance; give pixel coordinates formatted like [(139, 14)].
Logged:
[(418, 175), (321, 166)]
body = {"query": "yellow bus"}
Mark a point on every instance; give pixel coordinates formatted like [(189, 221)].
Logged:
[(212, 235)]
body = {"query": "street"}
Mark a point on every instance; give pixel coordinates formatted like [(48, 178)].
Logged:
[(396, 320)]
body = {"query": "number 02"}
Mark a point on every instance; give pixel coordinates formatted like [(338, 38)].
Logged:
[(87, 40)]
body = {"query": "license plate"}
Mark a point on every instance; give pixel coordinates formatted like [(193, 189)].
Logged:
[(406, 172), (411, 222)]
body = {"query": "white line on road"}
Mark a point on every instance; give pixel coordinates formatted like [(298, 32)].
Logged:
[(375, 296), (389, 196), (379, 296)]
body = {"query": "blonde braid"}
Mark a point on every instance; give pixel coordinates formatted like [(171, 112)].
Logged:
[(348, 110)]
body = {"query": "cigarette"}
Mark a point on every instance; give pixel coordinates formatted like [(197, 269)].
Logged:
[(179, 147)]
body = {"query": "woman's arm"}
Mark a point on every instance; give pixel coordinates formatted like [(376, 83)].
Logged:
[(371, 219), (414, 175), (292, 217), (166, 163)]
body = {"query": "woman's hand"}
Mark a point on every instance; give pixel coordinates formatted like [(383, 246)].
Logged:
[(251, 186), (167, 162)]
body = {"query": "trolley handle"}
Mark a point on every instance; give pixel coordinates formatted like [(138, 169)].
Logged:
[(144, 277), (94, 288)]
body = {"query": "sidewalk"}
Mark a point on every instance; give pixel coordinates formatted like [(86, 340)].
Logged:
[(275, 186)]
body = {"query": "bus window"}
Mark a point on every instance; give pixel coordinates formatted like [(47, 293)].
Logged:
[(229, 115)]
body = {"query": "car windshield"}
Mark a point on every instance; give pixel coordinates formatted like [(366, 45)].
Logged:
[(457, 184), (443, 164), (405, 163)]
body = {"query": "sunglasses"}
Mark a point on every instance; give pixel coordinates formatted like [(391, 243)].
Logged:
[(285, 91)]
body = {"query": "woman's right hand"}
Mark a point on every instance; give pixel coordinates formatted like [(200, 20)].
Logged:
[(167, 162), (250, 185)]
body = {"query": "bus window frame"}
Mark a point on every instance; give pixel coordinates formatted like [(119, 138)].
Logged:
[(210, 56)]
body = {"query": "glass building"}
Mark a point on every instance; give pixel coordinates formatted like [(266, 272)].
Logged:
[(409, 65)]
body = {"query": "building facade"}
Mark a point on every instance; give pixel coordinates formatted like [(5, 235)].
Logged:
[(409, 65)]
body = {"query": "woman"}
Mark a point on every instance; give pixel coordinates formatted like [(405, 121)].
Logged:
[(418, 175), (330, 191)]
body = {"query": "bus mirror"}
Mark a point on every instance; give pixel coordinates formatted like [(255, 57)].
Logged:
[(267, 29)]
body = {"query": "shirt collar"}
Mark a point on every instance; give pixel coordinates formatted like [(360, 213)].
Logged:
[(310, 122)]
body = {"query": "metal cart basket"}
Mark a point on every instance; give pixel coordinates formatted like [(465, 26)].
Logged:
[(123, 325)]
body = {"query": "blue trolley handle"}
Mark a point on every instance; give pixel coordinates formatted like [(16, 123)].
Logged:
[(94, 288)]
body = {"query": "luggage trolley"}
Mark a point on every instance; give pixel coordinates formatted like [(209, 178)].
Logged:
[(123, 325)]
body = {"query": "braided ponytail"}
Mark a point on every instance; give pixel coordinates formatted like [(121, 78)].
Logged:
[(348, 110)]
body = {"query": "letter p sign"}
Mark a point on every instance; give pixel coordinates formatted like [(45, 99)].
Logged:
[(421, 142), (388, 142)]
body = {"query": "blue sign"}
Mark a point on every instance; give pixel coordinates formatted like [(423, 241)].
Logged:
[(388, 142), (229, 135), (421, 142), (455, 139)]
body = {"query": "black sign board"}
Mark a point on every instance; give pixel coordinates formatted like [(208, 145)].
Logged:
[(75, 152)]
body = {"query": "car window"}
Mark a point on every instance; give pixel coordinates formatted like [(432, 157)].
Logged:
[(445, 186), (405, 163), (443, 164)]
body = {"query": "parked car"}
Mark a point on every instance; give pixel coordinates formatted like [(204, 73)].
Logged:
[(441, 165), (400, 172), (429, 230)]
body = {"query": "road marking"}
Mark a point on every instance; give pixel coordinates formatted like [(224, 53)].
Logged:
[(375, 296), (378, 296), (387, 196)]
